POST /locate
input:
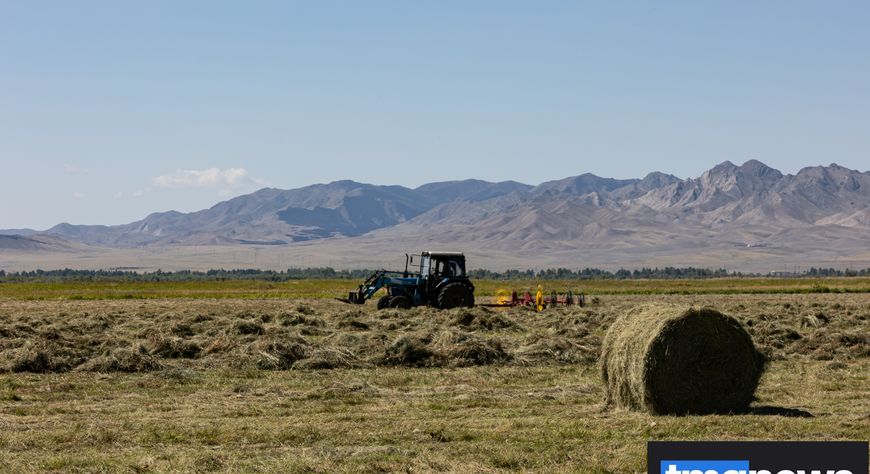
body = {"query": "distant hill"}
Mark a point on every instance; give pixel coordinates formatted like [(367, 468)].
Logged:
[(22, 232), (277, 217), (37, 243), (821, 212)]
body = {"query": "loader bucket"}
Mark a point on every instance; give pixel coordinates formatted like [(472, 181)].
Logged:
[(354, 297)]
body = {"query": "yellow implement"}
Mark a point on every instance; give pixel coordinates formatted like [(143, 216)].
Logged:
[(503, 297)]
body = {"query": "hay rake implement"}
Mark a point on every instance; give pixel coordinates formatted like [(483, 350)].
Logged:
[(539, 301)]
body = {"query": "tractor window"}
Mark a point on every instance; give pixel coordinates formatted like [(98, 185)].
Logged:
[(449, 268), (445, 268)]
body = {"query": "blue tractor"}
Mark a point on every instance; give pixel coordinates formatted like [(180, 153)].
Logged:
[(441, 282)]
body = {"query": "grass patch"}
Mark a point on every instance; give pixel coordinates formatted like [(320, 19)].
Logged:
[(545, 419), (327, 289)]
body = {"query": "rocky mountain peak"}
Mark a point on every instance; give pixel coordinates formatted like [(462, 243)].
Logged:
[(657, 179), (760, 170), (727, 179), (585, 183)]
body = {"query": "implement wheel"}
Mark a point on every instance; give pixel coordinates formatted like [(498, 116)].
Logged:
[(455, 295)]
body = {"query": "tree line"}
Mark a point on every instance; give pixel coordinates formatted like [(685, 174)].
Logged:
[(599, 274), (331, 273)]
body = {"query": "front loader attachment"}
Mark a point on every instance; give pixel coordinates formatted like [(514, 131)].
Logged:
[(372, 284), (354, 297)]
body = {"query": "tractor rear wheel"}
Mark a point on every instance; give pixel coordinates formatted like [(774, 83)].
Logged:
[(401, 302), (455, 295), (384, 302)]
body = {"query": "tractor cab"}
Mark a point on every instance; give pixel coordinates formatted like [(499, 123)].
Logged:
[(443, 281), (437, 265)]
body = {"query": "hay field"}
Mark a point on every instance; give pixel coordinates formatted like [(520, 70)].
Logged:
[(239, 383), (328, 289)]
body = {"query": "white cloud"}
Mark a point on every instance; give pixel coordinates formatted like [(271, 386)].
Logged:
[(73, 169), (118, 195), (207, 178), (78, 195)]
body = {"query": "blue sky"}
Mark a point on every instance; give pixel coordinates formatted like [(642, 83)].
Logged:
[(112, 110)]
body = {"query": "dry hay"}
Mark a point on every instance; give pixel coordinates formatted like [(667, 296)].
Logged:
[(409, 351), (297, 319), (478, 352), (774, 336), (353, 325), (480, 319), (306, 309), (221, 344), (248, 328), (671, 360), (828, 345), (41, 357), (815, 320), (541, 349), (449, 348), (122, 360), (462, 349), (328, 358), (169, 347), (47, 336), (279, 354)]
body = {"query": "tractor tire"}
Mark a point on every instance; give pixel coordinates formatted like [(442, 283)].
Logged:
[(400, 302), (455, 295), (384, 302)]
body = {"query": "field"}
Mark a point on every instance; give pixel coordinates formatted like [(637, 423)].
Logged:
[(257, 376), (296, 289)]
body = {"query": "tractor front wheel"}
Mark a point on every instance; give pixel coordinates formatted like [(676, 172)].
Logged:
[(384, 302), (455, 295), (401, 302)]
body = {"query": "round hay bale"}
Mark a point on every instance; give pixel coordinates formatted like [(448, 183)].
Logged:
[(670, 360)]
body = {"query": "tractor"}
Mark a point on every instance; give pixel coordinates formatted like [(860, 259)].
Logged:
[(440, 281)]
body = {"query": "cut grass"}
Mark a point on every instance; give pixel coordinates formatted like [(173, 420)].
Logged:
[(225, 394), (273, 334), (374, 420)]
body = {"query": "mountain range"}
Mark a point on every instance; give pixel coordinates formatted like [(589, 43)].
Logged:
[(819, 214)]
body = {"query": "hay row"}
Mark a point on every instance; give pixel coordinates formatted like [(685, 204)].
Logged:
[(300, 339), (48, 336)]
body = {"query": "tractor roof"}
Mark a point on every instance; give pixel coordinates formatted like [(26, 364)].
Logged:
[(443, 254)]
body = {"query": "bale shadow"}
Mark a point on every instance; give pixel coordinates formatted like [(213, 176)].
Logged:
[(779, 411)]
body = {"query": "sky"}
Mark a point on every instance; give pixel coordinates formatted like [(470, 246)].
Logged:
[(112, 110)]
